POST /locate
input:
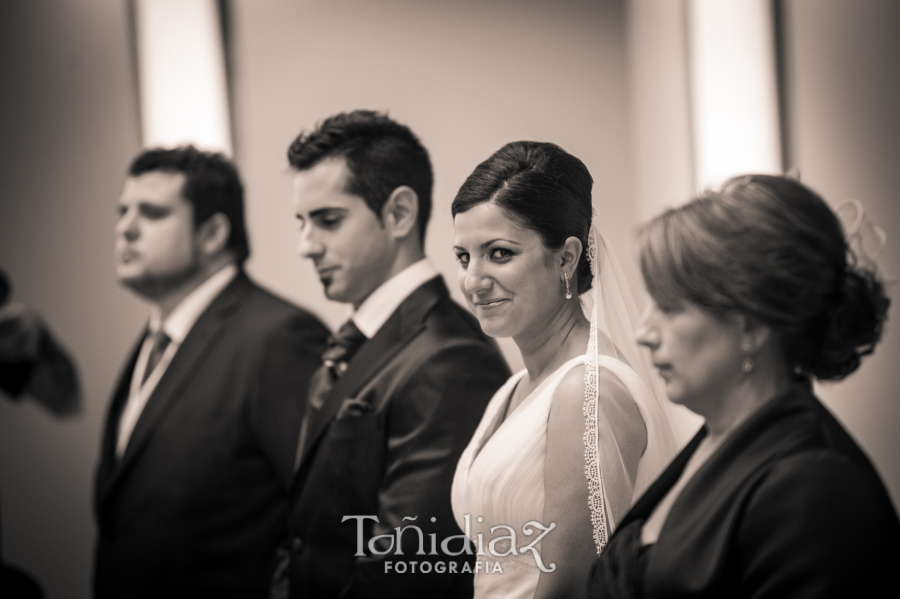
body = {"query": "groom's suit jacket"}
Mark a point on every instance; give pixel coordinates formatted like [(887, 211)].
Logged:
[(385, 443), (197, 504)]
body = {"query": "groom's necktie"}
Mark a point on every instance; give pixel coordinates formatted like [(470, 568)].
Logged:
[(342, 346)]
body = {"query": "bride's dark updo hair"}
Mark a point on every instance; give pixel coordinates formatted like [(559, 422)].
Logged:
[(770, 248), (539, 186)]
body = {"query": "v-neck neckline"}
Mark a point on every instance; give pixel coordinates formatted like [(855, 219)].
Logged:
[(502, 416)]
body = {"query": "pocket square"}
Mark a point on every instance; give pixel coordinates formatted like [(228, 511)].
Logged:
[(353, 407)]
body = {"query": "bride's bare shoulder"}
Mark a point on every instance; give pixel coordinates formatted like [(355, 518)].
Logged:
[(569, 394), (618, 408)]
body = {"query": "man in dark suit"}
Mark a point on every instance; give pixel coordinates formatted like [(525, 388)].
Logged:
[(197, 454), (402, 388)]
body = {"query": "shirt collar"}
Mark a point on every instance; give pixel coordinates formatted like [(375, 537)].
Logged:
[(378, 307), (180, 321)]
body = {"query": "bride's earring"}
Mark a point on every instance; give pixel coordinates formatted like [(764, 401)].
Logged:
[(568, 291)]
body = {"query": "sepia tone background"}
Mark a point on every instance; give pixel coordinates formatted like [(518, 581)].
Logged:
[(596, 77)]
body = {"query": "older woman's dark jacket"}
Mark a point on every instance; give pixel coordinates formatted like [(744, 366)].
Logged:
[(788, 506)]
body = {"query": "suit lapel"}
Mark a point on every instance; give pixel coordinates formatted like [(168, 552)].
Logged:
[(647, 502), (754, 442), (119, 398), (761, 438), (702, 518), (196, 347), (406, 322)]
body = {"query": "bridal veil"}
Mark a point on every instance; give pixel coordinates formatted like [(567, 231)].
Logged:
[(612, 311)]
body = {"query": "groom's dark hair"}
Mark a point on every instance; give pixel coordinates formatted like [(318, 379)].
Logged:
[(381, 155)]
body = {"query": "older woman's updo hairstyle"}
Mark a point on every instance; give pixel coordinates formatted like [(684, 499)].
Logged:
[(770, 248), (539, 186)]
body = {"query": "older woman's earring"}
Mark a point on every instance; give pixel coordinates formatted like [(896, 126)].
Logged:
[(568, 291)]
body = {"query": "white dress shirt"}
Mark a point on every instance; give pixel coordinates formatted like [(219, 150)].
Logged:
[(177, 326), (378, 307)]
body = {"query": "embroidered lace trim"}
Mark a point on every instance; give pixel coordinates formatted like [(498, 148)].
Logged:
[(591, 440)]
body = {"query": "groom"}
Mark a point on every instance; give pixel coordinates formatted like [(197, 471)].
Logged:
[(403, 384)]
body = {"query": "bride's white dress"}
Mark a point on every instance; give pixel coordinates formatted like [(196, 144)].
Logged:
[(500, 479)]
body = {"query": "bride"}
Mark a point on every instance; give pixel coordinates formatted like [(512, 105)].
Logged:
[(566, 445)]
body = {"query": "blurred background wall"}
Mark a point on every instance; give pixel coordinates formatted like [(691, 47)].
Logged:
[(68, 128), (467, 76), (842, 73), (607, 80)]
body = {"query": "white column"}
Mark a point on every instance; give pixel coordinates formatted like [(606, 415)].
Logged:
[(660, 106), (733, 86), (181, 67)]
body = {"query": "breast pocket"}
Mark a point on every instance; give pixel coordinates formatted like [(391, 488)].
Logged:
[(355, 425)]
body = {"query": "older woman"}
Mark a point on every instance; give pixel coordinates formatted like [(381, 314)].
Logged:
[(755, 292)]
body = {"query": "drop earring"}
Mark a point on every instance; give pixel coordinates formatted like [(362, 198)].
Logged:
[(568, 291), (747, 363)]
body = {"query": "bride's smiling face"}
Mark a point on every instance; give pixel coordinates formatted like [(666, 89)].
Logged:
[(511, 280)]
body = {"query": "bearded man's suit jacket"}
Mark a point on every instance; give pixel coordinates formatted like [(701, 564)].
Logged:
[(385, 443), (197, 504)]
